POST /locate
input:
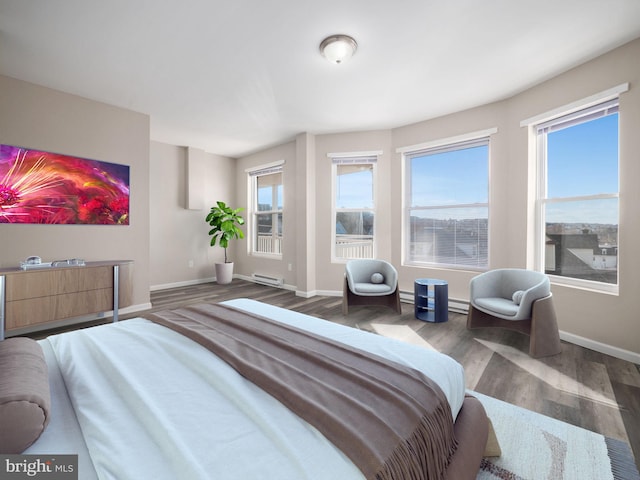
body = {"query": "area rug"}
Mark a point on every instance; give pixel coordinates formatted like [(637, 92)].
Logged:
[(536, 447)]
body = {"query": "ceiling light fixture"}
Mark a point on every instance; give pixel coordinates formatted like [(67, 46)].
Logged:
[(338, 48)]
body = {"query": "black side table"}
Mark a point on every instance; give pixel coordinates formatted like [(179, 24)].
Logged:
[(431, 300)]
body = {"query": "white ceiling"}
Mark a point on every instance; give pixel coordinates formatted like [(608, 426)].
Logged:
[(232, 77)]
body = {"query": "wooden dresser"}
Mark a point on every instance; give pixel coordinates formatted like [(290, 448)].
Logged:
[(41, 298)]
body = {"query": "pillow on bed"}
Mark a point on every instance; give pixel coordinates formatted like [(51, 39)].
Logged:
[(25, 400), (377, 278)]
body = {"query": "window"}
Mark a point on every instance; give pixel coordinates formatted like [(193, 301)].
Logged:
[(353, 206), (578, 199), (447, 202), (267, 206)]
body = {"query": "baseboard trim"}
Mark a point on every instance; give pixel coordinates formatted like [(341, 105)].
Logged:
[(458, 306), (303, 294), (249, 278), (186, 283), (329, 293), (134, 308), (600, 347)]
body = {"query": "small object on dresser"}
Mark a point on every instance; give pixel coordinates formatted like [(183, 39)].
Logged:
[(72, 262), (33, 262)]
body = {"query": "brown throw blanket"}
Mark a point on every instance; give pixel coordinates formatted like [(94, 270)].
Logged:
[(392, 421)]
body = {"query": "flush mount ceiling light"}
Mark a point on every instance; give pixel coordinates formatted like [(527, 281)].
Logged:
[(338, 48)]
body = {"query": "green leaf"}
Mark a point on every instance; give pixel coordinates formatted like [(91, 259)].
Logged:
[(225, 222)]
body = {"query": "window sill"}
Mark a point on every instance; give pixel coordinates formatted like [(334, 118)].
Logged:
[(272, 256), (587, 285)]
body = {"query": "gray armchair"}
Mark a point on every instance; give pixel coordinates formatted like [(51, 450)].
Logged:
[(370, 282), (519, 300)]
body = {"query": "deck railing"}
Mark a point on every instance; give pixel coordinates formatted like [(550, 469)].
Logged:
[(354, 246), (269, 244)]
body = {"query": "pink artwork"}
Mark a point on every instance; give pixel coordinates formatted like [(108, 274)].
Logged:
[(43, 187)]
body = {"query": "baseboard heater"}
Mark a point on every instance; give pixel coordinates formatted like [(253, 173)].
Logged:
[(267, 279)]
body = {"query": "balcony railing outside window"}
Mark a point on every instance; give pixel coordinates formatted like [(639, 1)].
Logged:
[(354, 246), (269, 244)]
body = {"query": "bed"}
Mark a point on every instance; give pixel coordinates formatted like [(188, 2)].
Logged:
[(135, 399)]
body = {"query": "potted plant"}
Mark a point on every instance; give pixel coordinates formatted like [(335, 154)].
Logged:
[(225, 222)]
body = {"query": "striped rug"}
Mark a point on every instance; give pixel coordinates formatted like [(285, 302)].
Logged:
[(536, 447)]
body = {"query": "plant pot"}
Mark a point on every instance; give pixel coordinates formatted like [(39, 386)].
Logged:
[(224, 273)]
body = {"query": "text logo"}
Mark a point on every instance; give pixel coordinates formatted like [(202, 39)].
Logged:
[(50, 467)]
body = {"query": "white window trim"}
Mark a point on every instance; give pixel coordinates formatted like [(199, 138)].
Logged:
[(372, 153), (532, 124), (362, 156), (252, 174), (265, 167), (572, 107), (465, 137)]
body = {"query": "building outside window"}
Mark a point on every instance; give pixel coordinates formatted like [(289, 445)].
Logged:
[(267, 210), (447, 202), (578, 201), (353, 206)]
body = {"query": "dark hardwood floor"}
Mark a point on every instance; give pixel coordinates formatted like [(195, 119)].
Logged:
[(580, 386)]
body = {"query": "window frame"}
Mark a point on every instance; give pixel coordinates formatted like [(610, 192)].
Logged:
[(597, 106), (353, 158), (458, 142), (253, 174)]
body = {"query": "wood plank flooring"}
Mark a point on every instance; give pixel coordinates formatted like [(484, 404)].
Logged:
[(580, 386)]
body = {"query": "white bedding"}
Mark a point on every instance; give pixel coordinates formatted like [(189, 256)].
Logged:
[(150, 403)]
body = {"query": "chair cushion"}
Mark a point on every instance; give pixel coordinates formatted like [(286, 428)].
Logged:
[(371, 289), (517, 296), (497, 305), (377, 278)]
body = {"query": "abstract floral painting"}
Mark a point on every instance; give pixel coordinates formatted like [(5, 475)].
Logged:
[(49, 188)]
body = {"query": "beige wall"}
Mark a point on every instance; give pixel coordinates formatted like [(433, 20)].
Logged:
[(306, 263), (305, 214), (179, 247), (45, 119), (610, 319), (602, 321), (331, 275), (246, 264)]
